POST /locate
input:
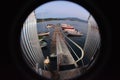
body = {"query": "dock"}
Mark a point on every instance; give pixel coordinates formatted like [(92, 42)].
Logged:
[(59, 49)]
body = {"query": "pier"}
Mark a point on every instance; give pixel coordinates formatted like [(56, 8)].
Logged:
[(64, 56), (59, 49)]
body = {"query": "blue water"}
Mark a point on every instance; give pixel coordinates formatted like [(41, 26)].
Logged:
[(81, 26)]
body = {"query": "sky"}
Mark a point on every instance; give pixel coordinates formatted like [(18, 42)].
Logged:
[(61, 9)]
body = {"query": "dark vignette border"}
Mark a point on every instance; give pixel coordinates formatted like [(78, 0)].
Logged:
[(105, 32)]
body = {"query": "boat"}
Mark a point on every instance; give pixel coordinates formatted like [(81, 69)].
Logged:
[(70, 30), (50, 25), (67, 30), (44, 34), (43, 43), (74, 33), (66, 26)]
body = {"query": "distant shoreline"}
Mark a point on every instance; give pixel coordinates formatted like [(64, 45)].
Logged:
[(71, 19)]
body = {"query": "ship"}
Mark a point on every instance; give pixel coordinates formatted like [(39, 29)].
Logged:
[(70, 30), (66, 26)]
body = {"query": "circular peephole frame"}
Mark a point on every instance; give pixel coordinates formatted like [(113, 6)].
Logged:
[(95, 66)]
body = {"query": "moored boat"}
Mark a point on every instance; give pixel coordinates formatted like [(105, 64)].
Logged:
[(44, 34), (43, 43), (70, 30), (66, 26), (74, 33)]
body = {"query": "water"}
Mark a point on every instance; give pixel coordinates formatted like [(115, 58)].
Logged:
[(80, 26)]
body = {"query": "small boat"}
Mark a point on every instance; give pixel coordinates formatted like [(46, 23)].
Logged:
[(74, 33), (50, 26), (43, 43), (44, 34)]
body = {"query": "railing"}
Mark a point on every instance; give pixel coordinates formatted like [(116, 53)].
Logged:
[(79, 47)]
